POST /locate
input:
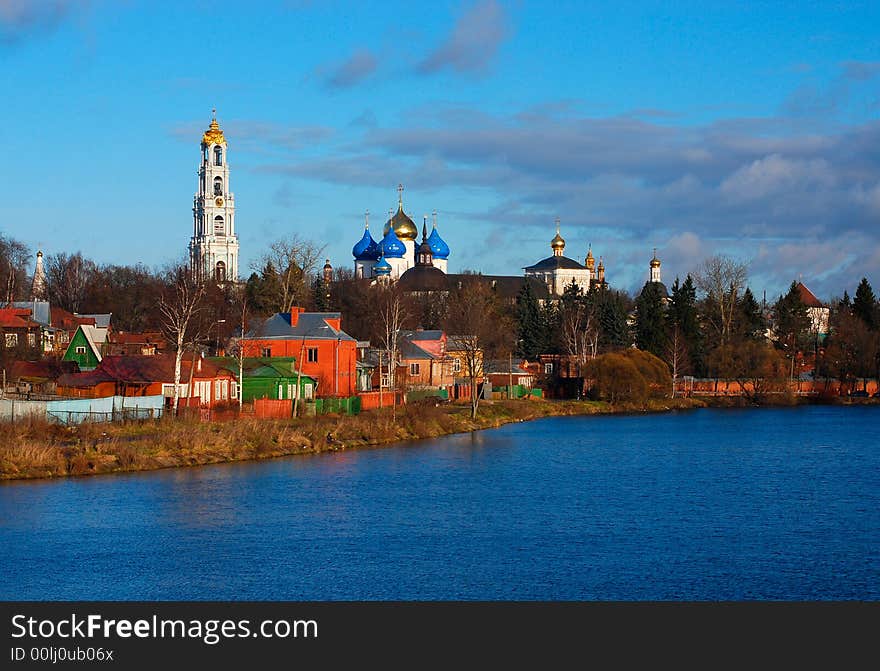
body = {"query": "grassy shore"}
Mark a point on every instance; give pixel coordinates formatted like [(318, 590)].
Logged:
[(44, 450)]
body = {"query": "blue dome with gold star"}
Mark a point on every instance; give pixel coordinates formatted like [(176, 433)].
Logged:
[(366, 248), (391, 247), (439, 248)]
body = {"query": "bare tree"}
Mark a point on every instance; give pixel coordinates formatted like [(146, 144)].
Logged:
[(392, 316), (13, 269), (67, 279), (474, 313), (722, 278), (294, 261), (180, 305), (676, 356)]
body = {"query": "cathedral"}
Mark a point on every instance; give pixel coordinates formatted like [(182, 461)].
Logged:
[(395, 254), (213, 248)]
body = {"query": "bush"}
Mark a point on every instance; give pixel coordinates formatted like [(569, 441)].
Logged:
[(616, 378), (654, 370)]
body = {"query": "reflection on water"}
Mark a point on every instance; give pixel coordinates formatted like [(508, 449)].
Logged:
[(766, 504)]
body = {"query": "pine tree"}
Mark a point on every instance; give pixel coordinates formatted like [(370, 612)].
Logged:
[(791, 323), (614, 331), (530, 329), (650, 327), (865, 304), (750, 317), (682, 314)]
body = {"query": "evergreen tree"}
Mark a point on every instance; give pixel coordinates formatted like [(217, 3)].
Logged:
[(614, 329), (846, 301), (865, 304), (530, 328), (650, 327), (791, 320), (750, 317), (682, 314), (321, 295)]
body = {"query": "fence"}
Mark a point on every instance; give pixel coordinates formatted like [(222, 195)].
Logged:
[(270, 408), (76, 410), (370, 400), (345, 406)]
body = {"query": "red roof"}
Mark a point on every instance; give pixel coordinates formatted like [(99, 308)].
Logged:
[(68, 321), (142, 370), (17, 318), (808, 298), (150, 338)]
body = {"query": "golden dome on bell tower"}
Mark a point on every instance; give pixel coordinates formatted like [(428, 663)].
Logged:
[(213, 135)]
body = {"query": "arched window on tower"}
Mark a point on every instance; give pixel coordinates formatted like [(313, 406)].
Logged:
[(218, 186), (220, 271), (218, 155), (219, 229)]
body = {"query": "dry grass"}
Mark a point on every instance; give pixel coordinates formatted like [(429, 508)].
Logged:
[(40, 449)]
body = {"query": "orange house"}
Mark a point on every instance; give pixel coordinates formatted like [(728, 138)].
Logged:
[(322, 350)]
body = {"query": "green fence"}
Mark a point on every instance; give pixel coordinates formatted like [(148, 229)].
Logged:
[(516, 391), (419, 394), (343, 406)]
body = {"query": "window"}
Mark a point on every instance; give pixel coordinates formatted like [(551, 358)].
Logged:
[(312, 355), (11, 339), (219, 229), (233, 389), (220, 271), (414, 369), (385, 382), (456, 365), (32, 339), (266, 352), (218, 155), (80, 349), (218, 186), (548, 368)]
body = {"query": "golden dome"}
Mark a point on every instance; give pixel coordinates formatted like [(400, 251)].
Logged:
[(590, 261), (655, 262), (404, 228), (213, 135), (557, 242), (601, 265)]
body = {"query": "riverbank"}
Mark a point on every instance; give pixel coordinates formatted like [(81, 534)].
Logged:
[(42, 450)]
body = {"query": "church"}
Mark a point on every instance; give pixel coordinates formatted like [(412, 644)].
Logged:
[(558, 271), (213, 248), (395, 253)]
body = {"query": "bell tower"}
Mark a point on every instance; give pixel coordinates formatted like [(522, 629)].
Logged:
[(213, 248)]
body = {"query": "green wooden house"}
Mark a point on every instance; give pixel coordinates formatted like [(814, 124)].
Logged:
[(86, 347), (274, 377)]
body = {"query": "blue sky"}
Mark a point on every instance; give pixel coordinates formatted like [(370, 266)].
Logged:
[(742, 128)]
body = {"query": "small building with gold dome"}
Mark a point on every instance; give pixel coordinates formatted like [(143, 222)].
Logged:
[(558, 271)]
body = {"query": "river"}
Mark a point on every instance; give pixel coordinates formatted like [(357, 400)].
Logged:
[(779, 504)]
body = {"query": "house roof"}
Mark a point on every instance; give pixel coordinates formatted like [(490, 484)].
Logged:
[(141, 370), (17, 318), (555, 263), (101, 320), (39, 310), (506, 286), (42, 370), (280, 367), (808, 298), (309, 325), (495, 366)]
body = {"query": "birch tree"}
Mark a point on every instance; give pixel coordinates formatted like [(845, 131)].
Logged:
[(180, 305), (722, 278)]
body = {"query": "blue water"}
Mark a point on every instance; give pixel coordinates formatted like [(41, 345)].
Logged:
[(705, 505)]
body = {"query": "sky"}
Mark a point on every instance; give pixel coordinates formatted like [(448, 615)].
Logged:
[(750, 129)]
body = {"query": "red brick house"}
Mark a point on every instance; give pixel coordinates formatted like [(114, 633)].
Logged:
[(323, 351)]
